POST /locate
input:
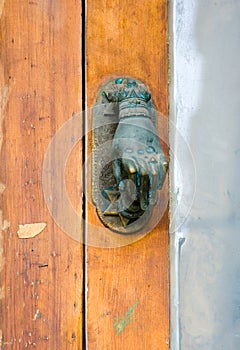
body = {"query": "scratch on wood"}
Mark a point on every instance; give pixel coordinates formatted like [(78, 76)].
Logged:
[(31, 230), (2, 188), (120, 323), (4, 96), (1, 6), (4, 225), (4, 91)]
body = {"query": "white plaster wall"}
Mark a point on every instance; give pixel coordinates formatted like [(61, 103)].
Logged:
[(205, 189)]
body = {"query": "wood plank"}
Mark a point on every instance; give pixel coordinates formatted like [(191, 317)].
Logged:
[(127, 38), (40, 77)]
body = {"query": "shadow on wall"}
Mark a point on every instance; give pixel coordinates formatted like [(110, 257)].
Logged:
[(210, 261)]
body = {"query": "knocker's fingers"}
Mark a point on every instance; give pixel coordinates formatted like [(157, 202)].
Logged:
[(131, 169), (144, 192), (154, 179), (144, 185), (162, 174), (117, 170)]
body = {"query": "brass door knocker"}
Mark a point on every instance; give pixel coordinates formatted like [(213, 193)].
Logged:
[(129, 166)]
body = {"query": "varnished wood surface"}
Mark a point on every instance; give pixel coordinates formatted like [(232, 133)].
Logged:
[(127, 38), (41, 277)]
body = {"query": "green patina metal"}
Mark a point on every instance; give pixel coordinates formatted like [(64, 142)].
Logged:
[(125, 134)]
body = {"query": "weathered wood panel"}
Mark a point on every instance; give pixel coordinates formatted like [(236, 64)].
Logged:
[(40, 81), (127, 38)]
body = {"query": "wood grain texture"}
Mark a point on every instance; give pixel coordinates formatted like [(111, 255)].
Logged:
[(130, 283), (41, 277)]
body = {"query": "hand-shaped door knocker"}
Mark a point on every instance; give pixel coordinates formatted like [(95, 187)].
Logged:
[(128, 165)]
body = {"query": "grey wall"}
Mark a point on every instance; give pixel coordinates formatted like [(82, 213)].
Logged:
[(205, 204)]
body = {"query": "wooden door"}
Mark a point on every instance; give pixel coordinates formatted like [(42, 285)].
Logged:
[(57, 293)]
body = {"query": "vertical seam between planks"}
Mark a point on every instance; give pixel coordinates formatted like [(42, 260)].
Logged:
[(84, 177)]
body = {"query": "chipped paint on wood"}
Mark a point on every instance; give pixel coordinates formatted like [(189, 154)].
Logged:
[(37, 315), (31, 230), (120, 323)]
